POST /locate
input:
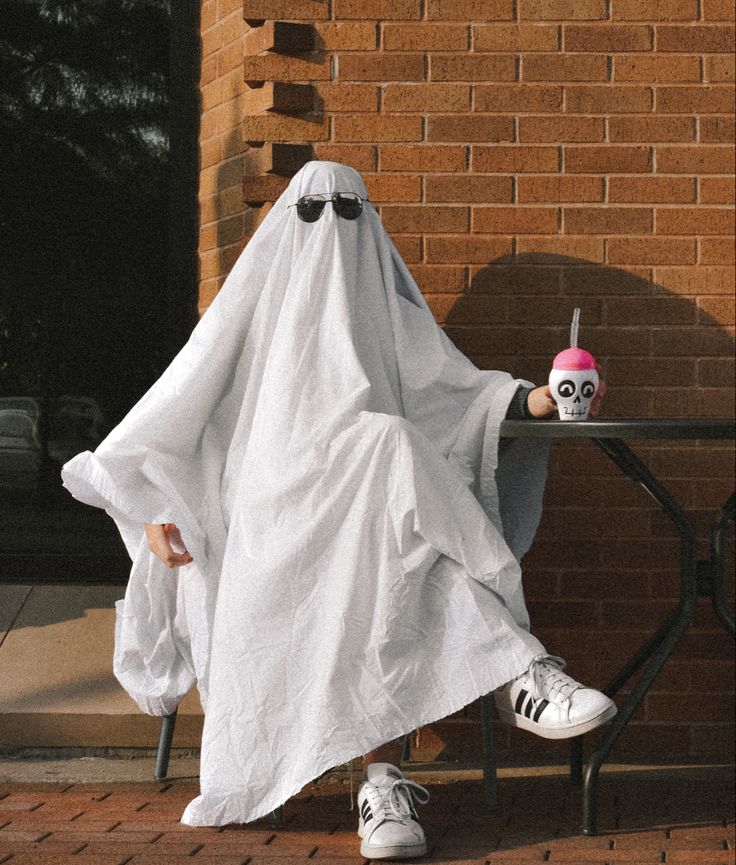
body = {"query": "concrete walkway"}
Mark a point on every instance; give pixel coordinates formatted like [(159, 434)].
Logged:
[(648, 814)]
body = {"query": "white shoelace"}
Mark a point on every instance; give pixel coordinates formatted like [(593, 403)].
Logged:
[(548, 680), (391, 794), (399, 797)]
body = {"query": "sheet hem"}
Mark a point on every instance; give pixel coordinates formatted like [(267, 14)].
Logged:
[(269, 804)]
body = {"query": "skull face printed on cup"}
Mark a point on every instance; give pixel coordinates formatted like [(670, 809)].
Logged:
[(573, 382)]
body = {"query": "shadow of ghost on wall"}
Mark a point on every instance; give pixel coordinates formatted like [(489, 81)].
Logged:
[(662, 355)]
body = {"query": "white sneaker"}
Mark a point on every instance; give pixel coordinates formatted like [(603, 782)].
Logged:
[(548, 702), (386, 807)]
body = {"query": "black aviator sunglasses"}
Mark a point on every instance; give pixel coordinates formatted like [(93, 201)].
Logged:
[(349, 205)]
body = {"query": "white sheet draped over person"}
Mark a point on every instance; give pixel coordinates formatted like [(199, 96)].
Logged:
[(332, 461)]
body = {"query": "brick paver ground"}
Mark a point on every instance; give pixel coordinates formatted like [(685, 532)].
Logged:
[(678, 816)]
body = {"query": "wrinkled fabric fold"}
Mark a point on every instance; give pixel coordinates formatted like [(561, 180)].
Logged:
[(332, 461)]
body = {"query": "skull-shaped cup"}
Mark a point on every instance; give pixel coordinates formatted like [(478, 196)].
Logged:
[(573, 382)]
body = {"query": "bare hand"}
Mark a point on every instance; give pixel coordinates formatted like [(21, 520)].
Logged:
[(541, 404), (159, 542), (597, 399)]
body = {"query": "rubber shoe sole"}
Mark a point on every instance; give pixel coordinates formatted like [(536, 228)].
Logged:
[(393, 851), (525, 723)]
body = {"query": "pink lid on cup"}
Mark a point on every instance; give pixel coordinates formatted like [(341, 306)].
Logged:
[(574, 358)]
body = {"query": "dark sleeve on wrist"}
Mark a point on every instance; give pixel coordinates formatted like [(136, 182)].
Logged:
[(517, 409)]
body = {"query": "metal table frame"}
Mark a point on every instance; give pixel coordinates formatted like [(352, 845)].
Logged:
[(697, 577)]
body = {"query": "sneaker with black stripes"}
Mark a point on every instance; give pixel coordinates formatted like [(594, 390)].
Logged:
[(387, 825), (548, 702)]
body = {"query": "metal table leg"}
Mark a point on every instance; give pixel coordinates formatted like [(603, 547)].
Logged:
[(576, 761), (590, 780), (660, 646), (716, 586)]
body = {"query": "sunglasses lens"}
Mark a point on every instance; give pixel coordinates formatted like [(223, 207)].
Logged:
[(348, 205), (310, 207)]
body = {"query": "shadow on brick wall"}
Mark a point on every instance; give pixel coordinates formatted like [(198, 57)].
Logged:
[(603, 571), (662, 355)]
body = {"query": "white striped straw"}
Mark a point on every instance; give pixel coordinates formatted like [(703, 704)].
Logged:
[(574, 328)]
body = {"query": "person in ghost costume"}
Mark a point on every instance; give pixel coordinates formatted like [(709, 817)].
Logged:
[(350, 524)]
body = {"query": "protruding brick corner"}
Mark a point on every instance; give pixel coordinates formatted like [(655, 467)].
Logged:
[(285, 37), (271, 126), (282, 107), (268, 187), (277, 158), (282, 97), (267, 172), (295, 10)]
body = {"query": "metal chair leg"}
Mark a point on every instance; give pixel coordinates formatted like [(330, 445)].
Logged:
[(490, 778), (406, 748), (164, 745), (276, 817)]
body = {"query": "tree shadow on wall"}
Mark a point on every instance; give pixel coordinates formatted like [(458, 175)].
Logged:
[(662, 355)]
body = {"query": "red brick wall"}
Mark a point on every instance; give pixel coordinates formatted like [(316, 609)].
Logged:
[(528, 156)]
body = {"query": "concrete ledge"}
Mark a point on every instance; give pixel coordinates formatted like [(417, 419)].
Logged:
[(57, 687), (40, 730)]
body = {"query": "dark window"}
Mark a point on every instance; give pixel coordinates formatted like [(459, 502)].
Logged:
[(99, 115)]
